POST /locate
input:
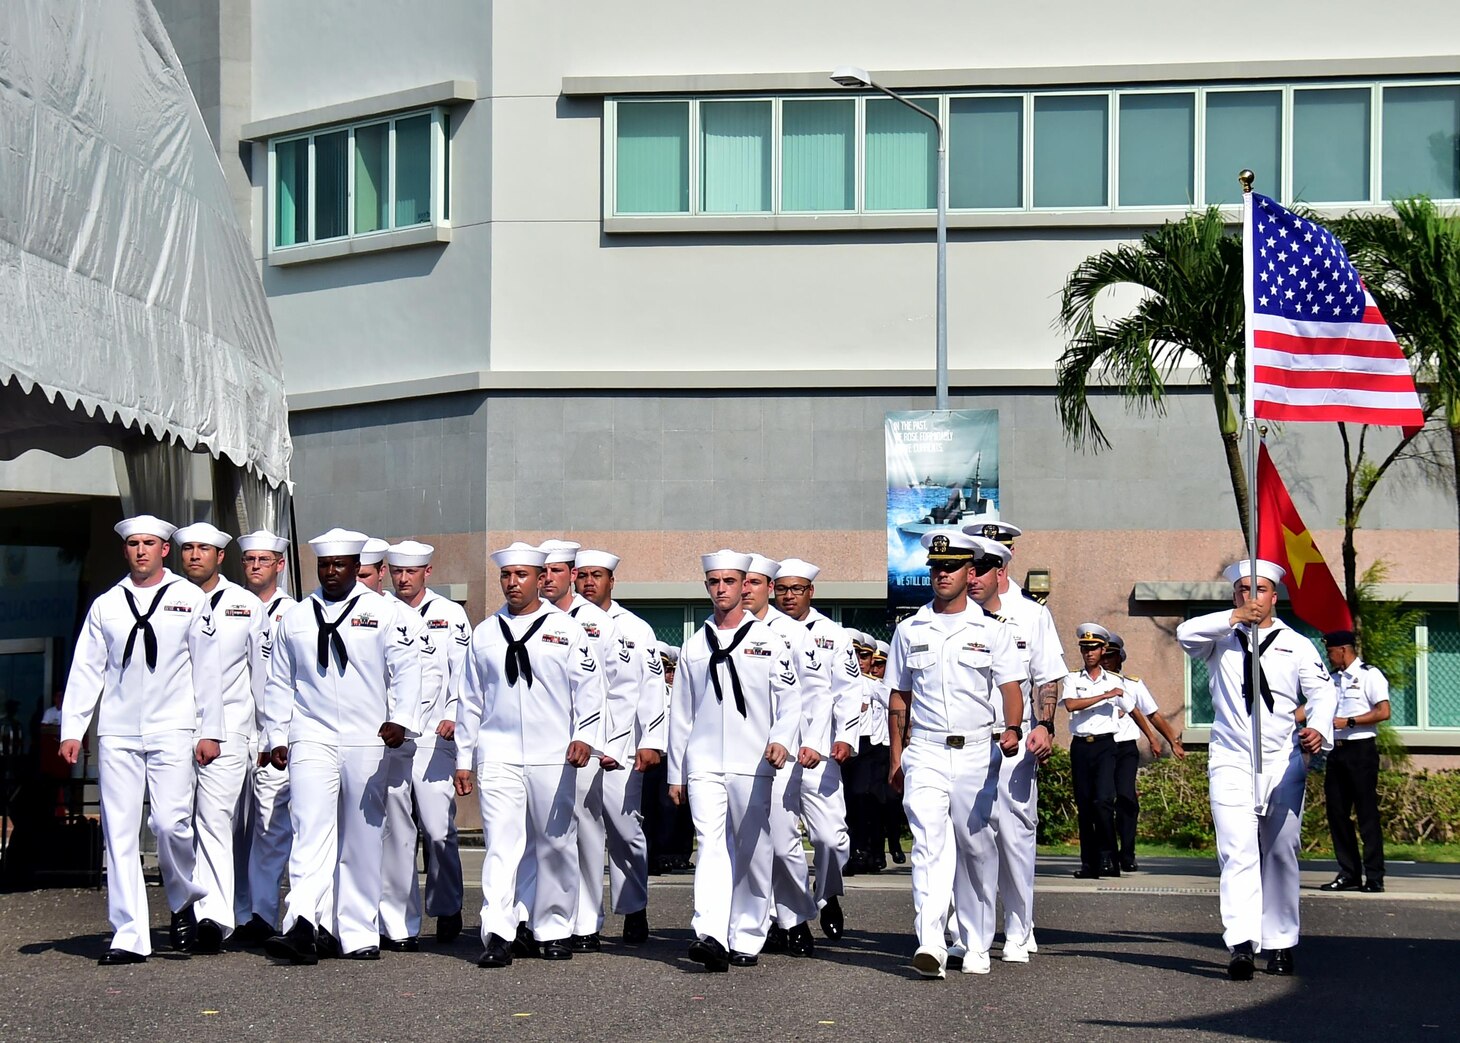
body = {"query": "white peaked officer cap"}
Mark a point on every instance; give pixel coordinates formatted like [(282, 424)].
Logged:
[(373, 553), (767, 567), (1265, 570), (795, 568), (263, 539), (597, 559), (725, 559), (950, 545), (991, 548), (558, 551), (144, 525), (339, 543), (1116, 643), (862, 639), (669, 653), (409, 554), (1092, 634), (201, 532), (884, 649), (519, 553), (990, 526)]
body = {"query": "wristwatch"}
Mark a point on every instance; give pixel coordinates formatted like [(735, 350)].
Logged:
[(1047, 725), (1016, 729)]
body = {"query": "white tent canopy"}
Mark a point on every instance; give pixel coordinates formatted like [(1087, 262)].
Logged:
[(129, 302)]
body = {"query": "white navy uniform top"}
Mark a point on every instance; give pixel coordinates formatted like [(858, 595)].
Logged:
[(874, 712), (1137, 697), (813, 669), (1104, 717), (839, 655), (1038, 643), (446, 632), (637, 641), (317, 695), (508, 715), (261, 651), (239, 619), (146, 665), (621, 687), (725, 727), (952, 664), (1291, 666), (1360, 688)]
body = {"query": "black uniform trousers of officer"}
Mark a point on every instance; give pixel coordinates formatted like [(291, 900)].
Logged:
[(1127, 804), (1092, 764), (1351, 786)]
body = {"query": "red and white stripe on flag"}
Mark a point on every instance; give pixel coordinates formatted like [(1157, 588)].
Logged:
[(1318, 349), (1332, 371)]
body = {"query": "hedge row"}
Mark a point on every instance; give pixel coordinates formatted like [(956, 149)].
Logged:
[(1415, 807)]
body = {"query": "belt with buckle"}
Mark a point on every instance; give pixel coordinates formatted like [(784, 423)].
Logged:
[(1091, 738), (1342, 742), (953, 742)]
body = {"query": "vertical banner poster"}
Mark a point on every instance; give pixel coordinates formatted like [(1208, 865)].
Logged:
[(942, 468)]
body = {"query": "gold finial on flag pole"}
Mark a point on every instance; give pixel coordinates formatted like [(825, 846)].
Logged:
[(1246, 177)]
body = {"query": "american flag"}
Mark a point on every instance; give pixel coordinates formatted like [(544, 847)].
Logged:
[(1317, 347)]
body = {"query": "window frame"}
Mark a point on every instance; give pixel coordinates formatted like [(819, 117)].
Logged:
[(1113, 93), (439, 158)]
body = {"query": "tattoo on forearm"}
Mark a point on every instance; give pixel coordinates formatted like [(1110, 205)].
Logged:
[(1048, 700)]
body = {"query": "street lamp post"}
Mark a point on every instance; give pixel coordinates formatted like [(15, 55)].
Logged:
[(851, 76)]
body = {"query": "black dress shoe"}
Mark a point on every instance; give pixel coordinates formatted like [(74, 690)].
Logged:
[(1341, 883), (585, 942), (776, 940), (368, 952), (831, 919), (120, 957), (710, 953), (525, 944), (556, 950), (496, 954), (799, 941), (1280, 962), (448, 927), (743, 959), (1086, 873), (297, 945), (208, 937), (636, 928), (1239, 967), (254, 933), (1108, 867), (896, 852), (183, 934), (399, 944), (1129, 867), (1373, 887), (327, 944)]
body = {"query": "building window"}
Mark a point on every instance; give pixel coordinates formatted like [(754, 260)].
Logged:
[(1071, 151), (360, 179), (1115, 149), (652, 171)]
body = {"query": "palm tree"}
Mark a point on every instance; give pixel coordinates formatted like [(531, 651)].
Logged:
[(1190, 315), (1411, 264)]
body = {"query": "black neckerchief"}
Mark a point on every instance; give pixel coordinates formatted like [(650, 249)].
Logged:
[(718, 656), (217, 597), (425, 604), (143, 626), (1247, 668), (273, 605), (329, 635), (519, 663)]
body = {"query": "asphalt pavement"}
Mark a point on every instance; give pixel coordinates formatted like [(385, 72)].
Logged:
[(1131, 959)]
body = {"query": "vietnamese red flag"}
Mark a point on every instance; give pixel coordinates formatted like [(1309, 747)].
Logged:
[(1283, 539)]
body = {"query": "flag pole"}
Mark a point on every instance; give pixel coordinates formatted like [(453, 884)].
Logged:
[(1246, 177)]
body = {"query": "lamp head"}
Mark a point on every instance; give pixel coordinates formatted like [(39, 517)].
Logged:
[(851, 76)]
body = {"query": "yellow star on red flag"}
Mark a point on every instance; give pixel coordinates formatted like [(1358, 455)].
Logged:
[(1302, 552)]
